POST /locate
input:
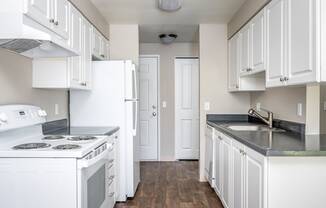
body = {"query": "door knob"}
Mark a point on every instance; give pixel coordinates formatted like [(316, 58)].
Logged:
[(154, 114)]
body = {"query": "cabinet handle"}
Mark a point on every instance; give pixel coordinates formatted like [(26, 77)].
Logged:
[(56, 23), (84, 83), (286, 79), (111, 194), (102, 56), (111, 177), (237, 86), (220, 137), (51, 20), (281, 79)]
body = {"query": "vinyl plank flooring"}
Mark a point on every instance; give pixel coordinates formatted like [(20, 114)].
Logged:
[(172, 185)]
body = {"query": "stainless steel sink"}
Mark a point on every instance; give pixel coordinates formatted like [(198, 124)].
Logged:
[(253, 128)]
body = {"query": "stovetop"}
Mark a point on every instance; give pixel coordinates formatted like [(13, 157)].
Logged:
[(52, 146)]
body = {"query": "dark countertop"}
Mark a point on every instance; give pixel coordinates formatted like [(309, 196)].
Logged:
[(275, 143), (94, 131)]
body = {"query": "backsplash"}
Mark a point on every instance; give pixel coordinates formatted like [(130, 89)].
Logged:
[(16, 87)]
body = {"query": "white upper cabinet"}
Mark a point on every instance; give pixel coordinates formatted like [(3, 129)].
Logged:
[(258, 42), (87, 55), (292, 42), (100, 46), (53, 14), (233, 72), (275, 44), (61, 18), (40, 11), (245, 49), (302, 45)]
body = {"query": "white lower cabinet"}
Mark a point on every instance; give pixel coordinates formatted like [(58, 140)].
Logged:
[(209, 155), (239, 174)]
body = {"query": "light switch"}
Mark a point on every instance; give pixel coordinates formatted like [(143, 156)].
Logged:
[(56, 109), (164, 104), (207, 106), (299, 109)]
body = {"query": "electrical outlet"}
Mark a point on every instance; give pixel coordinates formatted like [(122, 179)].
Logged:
[(258, 106), (299, 109), (56, 109), (207, 106), (164, 104)]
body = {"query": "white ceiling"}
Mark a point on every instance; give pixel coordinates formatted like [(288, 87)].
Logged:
[(153, 21)]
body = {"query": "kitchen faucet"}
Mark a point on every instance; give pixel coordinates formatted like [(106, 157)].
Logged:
[(268, 120)]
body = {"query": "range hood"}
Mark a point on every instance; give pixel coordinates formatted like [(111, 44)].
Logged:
[(35, 42)]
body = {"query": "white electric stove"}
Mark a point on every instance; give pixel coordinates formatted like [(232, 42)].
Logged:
[(38, 171)]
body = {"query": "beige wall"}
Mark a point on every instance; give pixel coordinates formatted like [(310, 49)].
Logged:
[(246, 11), (213, 81), (16, 86), (167, 55), (283, 102), (124, 42), (92, 13)]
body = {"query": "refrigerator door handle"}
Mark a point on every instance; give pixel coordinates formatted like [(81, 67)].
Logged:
[(134, 71), (136, 119)]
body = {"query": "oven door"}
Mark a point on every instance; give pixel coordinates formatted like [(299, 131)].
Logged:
[(93, 181)]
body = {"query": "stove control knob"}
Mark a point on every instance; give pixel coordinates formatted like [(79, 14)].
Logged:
[(42, 113), (3, 117)]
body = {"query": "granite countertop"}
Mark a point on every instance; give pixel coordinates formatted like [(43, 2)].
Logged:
[(93, 131), (274, 143)]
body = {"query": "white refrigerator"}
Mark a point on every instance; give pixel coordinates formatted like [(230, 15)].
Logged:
[(113, 101)]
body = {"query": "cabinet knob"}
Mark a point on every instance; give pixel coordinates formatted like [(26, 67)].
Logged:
[(281, 79), (51, 20), (102, 56), (286, 79), (56, 23)]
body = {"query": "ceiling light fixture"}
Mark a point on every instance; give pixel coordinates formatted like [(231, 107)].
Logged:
[(168, 39), (169, 5)]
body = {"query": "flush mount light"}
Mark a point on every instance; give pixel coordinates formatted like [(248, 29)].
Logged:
[(169, 5), (168, 39)]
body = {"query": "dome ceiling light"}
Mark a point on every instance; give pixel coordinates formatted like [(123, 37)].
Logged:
[(167, 39), (169, 5)]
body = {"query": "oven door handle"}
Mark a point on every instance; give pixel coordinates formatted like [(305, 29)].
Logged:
[(83, 163)]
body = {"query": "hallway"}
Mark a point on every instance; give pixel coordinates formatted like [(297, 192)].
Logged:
[(172, 185)]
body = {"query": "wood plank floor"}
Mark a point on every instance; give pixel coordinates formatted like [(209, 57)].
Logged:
[(172, 185)]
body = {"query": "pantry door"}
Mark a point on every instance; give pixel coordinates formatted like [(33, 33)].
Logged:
[(186, 108)]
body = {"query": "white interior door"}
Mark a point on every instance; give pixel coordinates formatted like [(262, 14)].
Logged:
[(148, 95), (186, 108)]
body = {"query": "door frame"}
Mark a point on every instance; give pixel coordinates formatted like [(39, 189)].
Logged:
[(158, 102), (175, 114)]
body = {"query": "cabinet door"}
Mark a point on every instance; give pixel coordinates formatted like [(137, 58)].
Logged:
[(275, 44), (254, 179), (61, 18), (87, 54), (96, 43), (245, 49), (226, 185), (75, 30), (218, 164), (258, 42), (302, 41), (76, 39), (40, 11), (238, 185), (209, 154), (233, 64)]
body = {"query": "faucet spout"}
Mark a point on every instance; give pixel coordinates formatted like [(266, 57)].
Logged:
[(268, 120)]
